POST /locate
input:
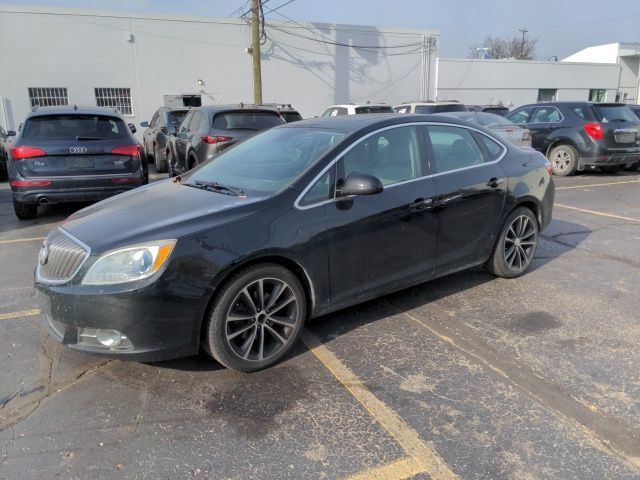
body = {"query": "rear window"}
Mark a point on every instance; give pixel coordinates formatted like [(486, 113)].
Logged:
[(502, 111), (615, 113), (374, 109), (175, 118), (441, 108), (246, 120), (74, 127), (291, 116)]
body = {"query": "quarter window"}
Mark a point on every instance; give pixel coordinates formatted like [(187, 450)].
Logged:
[(392, 155), (118, 98), (320, 191), (48, 97), (493, 148), (454, 148)]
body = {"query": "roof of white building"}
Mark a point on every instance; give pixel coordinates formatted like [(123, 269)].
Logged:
[(608, 53)]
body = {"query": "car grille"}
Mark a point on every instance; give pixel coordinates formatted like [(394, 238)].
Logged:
[(64, 259)]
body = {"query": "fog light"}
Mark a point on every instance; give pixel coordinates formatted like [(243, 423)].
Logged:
[(109, 338)]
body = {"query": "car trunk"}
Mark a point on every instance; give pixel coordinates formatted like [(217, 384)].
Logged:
[(519, 136), (620, 127)]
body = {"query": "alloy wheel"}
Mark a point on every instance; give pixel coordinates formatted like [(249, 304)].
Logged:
[(561, 160), (520, 243), (262, 319)]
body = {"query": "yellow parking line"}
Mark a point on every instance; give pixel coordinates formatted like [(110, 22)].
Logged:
[(407, 438), (398, 470), (21, 240), (594, 212), (597, 185), (24, 313)]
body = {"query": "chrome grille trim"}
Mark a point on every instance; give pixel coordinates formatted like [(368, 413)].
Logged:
[(67, 254)]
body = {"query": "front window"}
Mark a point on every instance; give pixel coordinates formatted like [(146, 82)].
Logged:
[(521, 116), (246, 120), (74, 127), (268, 162), (546, 115)]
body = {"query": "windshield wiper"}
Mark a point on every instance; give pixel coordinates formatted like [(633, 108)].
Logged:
[(216, 187), (78, 137)]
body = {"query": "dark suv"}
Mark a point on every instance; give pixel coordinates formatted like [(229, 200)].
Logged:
[(206, 131), (578, 135), (154, 139), (72, 154)]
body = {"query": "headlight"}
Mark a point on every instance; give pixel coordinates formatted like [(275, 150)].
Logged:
[(129, 264)]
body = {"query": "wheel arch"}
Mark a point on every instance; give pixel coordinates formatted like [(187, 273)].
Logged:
[(561, 141), (532, 204)]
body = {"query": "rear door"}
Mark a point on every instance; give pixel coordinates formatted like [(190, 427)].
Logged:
[(619, 125), (76, 145), (230, 127)]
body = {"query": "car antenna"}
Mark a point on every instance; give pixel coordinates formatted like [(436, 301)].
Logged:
[(75, 107)]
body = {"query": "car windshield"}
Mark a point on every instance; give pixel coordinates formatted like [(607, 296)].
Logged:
[(268, 162), (74, 127), (615, 113), (456, 107), (249, 120), (374, 109), (175, 118)]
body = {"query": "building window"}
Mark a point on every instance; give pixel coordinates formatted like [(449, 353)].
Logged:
[(48, 97), (597, 95), (118, 98), (547, 95)]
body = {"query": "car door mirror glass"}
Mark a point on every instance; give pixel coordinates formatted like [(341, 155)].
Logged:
[(133, 128), (144, 124), (11, 133), (360, 184)]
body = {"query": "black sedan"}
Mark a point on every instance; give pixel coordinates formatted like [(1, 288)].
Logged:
[(296, 222)]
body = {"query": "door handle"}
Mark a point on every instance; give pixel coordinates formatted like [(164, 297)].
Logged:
[(495, 182), (421, 204)]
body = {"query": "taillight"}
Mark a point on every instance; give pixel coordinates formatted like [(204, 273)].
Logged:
[(20, 153), (213, 140), (30, 183), (549, 167), (594, 130), (129, 151), (121, 180)]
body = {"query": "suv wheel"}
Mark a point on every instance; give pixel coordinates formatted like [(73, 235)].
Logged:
[(564, 160), (25, 211), (516, 244), (256, 318), (161, 167)]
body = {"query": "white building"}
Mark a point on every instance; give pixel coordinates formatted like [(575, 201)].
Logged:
[(137, 61)]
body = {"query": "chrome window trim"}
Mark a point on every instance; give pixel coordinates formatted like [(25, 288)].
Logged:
[(297, 205), (86, 247)]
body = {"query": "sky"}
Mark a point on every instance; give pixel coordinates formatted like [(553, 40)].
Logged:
[(561, 27)]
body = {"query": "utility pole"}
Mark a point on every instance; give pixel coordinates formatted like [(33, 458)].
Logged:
[(523, 30), (255, 50)]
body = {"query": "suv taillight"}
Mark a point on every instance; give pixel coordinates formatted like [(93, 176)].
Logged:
[(129, 151), (20, 153), (213, 140), (594, 130)]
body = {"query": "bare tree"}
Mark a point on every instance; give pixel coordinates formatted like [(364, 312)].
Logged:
[(509, 47)]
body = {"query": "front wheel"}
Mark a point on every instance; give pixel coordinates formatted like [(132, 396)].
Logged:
[(564, 160), (633, 167), (161, 167), (25, 211), (516, 244), (256, 318)]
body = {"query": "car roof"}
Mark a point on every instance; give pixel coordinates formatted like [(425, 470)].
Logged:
[(75, 109), (234, 107), (358, 105), (430, 102), (351, 123)]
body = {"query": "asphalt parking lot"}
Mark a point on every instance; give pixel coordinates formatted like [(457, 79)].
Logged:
[(465, 377)]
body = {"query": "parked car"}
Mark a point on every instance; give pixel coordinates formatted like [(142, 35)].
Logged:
[(154, 139), (296, 222), (5, 147), (289, 114), (519, 135), (579, 135), (635, 109), (72, 154), (207, 131), (497, 109), (430, 106), (356, 109)]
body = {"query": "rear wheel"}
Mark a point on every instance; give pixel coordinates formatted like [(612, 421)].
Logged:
[(564, 160), (256, 318), (3, 171), (516, 244), (161, 166), (612, 169), (172, 173), (25, 211)]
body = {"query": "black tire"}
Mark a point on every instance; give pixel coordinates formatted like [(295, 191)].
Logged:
[(3, 171), (633, 167), (239, 329), (172, 173), (193, 161), (25, 211), (564, 160), (511, 258), (612, 169), (161, 167)]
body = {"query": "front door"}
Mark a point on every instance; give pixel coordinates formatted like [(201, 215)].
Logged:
[(387, 240)]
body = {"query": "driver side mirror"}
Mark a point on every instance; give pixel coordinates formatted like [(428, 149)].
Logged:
[(360, 184), (11, 133), (144, 124), (132, 127)]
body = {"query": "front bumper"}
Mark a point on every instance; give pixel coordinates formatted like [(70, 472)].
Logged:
[(156, 326)]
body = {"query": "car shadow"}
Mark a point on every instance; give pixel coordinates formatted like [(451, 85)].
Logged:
[(558, 239)]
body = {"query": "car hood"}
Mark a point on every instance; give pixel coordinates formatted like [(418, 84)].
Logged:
[(155, 212)]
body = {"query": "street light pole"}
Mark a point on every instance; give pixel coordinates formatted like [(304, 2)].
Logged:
[(255, 51)]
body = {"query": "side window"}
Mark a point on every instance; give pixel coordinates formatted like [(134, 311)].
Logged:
[(326, 113), (402, 109), (320, 191), (521, 116), (454, 148), (184, 126), (546, 115), (392, 155), (154, 120), (493, 148), (340, 111)]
